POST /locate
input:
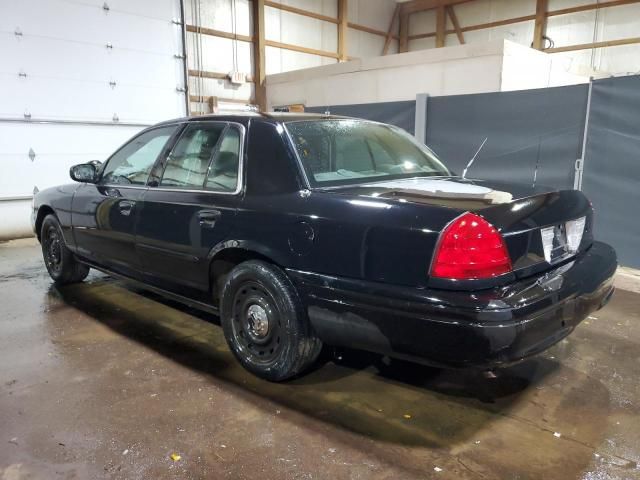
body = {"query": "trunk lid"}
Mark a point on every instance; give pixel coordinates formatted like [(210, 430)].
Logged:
[(534, 220)]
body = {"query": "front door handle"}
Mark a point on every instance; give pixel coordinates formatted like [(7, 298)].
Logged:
[(207, 218), (125, 207)]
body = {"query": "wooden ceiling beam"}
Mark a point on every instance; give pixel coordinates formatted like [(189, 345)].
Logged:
[(389, 36), (343, 25), (589, 46), (441, 26), (540, 27), (591, 6), (403, 46), (300, 11), (414, 6), (456, 24)]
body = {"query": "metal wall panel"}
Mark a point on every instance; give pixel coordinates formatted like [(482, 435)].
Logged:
[(530, 133), (611, 177), (401, 114)]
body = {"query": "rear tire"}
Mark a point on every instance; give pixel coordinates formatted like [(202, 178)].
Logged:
[(265, 323), (61, 264)]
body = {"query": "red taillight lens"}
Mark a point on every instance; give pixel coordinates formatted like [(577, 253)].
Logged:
[(470, 248)]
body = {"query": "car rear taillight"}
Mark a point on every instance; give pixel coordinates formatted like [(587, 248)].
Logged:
[(470, 248)]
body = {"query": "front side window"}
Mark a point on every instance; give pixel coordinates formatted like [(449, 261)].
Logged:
[(190, 158), (336, 152), (132, 163)]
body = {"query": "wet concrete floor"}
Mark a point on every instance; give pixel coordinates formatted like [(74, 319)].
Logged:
[(100, 380)]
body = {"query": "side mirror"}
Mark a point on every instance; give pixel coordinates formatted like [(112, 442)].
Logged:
[(85, 172)]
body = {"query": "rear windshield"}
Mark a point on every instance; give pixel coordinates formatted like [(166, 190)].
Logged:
[(338, 152)]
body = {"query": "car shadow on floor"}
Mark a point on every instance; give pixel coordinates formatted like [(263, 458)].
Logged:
[(387, 400)]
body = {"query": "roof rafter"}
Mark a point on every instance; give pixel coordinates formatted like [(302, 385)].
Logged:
[(420, 5)]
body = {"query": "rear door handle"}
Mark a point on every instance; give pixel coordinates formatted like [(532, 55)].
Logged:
[(207, 218), (126, 207)]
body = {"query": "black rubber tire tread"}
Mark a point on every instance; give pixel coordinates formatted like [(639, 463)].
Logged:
[(302, 346), (72, 271)]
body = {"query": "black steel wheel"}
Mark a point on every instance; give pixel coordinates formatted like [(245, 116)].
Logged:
[(62, 266), (256, 326), (52, 249), (265, 323)]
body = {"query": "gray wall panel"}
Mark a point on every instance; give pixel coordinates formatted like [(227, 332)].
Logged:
[(611, 177), (522, 128)]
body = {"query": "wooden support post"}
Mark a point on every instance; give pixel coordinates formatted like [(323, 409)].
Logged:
[(456, 24), (404, 33), (258, 54), (441, 26), (540, 27), (343, 24), (387, 39)]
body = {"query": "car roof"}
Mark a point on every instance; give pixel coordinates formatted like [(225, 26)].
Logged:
[(243, 117)]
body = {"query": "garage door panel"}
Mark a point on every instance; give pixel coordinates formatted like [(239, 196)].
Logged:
[(90, 24), (161, 9), (93, 101), (60, 69), (85, 63), (56, 148)]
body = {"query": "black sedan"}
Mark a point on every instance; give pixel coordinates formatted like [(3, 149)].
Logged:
[(304, 230)]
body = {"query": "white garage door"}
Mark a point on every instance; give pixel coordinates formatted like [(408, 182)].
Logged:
[(77, 79)]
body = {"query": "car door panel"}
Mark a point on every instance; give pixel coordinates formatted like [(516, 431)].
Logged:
[(104, 215), (183, 215), (177, 230), (104, 220)]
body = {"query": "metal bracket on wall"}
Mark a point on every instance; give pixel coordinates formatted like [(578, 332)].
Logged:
[(421, 117), (175, 21), (112, 84), (181, 89), (579, 165), (17, 32), (105, 7), (32, 154), (115, 118), (22, 74)]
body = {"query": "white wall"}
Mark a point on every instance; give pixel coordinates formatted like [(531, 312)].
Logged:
[(61, 52), (584, 27), (455, 70), (217, 54), (493, 66)]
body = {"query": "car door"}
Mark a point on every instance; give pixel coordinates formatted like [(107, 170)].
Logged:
[(190, 207), (104, 214)]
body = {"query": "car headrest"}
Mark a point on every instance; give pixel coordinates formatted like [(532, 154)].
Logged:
[(226, 164)]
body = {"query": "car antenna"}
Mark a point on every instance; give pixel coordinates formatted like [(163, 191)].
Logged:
[(464, 172), (535, 172)]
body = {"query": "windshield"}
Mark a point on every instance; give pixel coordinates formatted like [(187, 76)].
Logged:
[(337, 152)]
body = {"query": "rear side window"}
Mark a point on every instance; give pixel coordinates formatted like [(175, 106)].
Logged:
[(189, 161), (132, 163), (224, 169)]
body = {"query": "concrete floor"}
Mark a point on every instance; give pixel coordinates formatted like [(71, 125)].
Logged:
[(98, 380)]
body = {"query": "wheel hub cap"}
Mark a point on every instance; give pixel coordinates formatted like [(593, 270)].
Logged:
[(258, 321)]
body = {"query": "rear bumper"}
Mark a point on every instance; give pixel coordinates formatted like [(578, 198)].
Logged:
[(485, 328)]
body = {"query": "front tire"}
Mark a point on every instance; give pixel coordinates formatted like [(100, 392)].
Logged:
[(265, 323), (62, 266)]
